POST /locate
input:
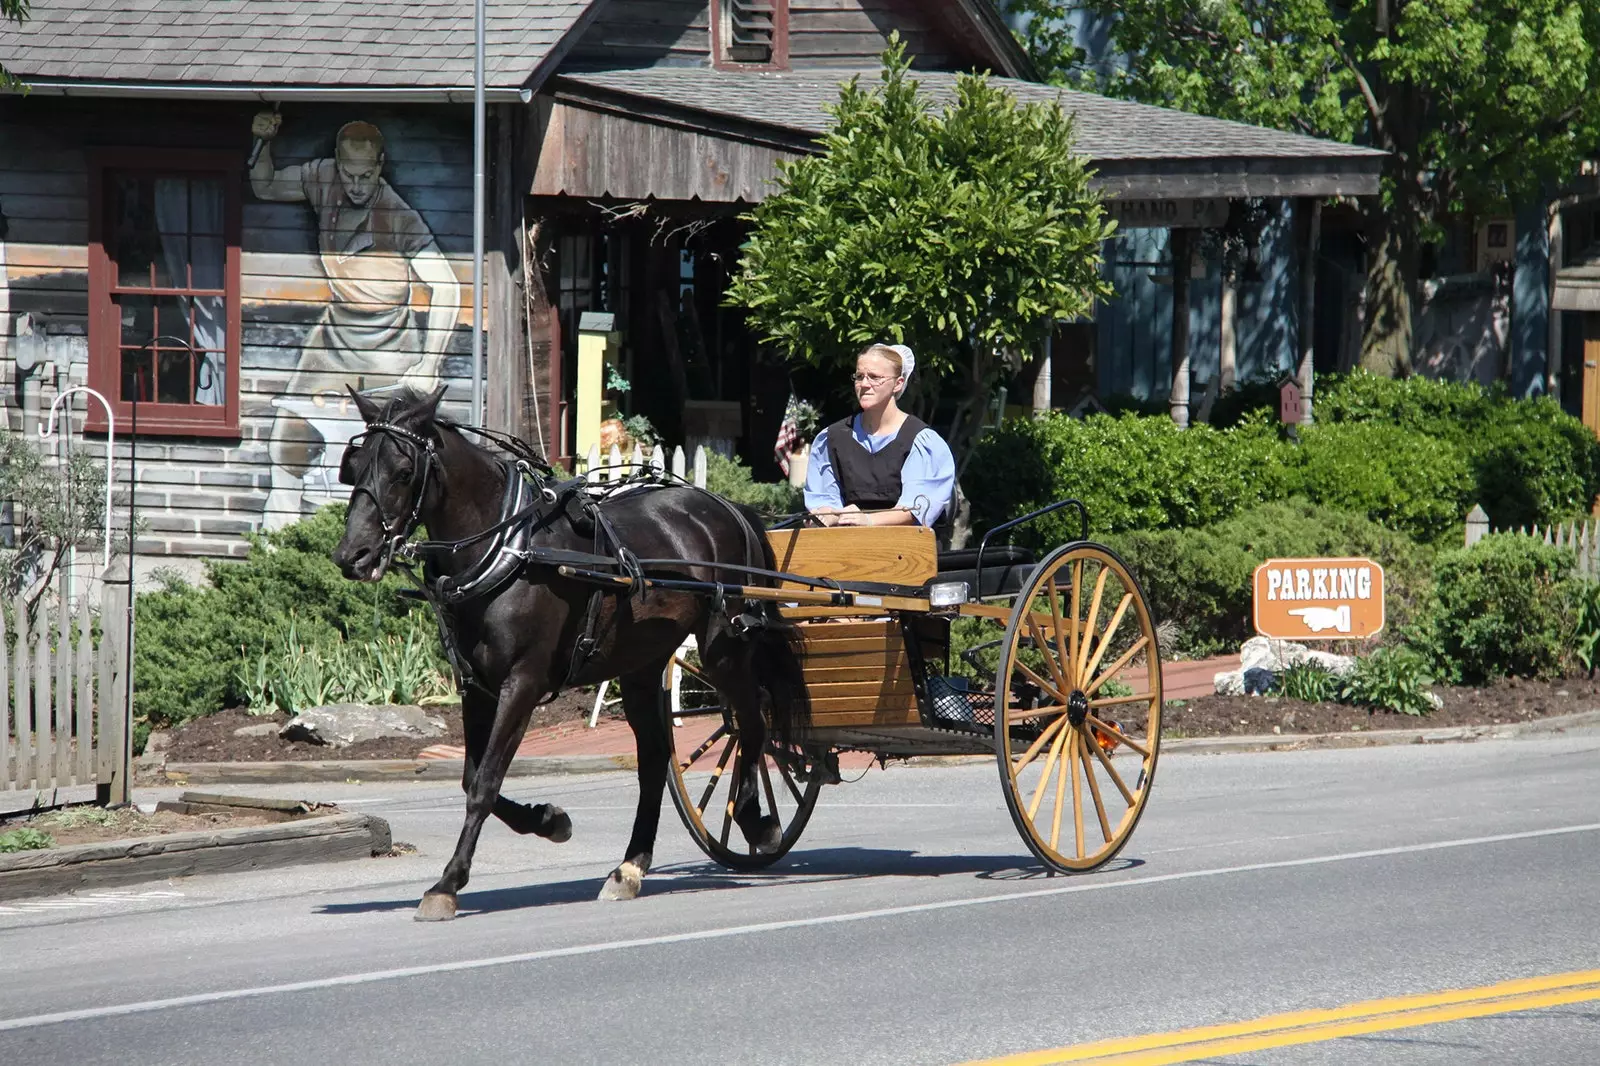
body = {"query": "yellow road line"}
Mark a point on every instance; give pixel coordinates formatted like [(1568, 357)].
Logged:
[(1307, 1027)]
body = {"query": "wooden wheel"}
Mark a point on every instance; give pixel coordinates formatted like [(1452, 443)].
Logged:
[(704, 750), (1080, 728)]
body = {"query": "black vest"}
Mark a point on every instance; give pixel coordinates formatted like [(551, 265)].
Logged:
[(870, 480)]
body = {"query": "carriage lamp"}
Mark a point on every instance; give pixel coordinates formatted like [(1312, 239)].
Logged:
[(947, 594)]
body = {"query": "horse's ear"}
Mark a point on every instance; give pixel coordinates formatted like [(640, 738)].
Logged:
[(427, 407), (369, 410)]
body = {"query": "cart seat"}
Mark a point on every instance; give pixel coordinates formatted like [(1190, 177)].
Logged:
[(1006, 568)]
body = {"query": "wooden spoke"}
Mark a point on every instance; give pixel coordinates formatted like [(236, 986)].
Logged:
[(1022, 714), (727, 810), (1112, 701), (1111, 671), (690, 668), (1106, 635), (1049, 651), (716, 775), (1119, 736), (1089, 622), (1055, 620), (1077, 790), (1116, 778), (766, 784), (1077, 593), (1028, 672), (1034, 748), (1094, 785), (722, 731), (1044, 778), (783, 771), (1061, 789)]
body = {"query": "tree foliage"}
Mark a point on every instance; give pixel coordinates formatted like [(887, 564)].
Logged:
[(12, 11), (1482, 104), (53, 506), (963, 232)]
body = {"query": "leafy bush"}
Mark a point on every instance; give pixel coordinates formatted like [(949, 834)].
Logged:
[(25, 840), (294, 676), (1199, 580), (1398, 477), (1501, 607), (1394, 679), (191, 639), (1131, 472), (1586, 625), (1307, 681), (732, 478)]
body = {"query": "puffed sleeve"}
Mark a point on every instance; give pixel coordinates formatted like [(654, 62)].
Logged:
[(928, 478), (822, 488)]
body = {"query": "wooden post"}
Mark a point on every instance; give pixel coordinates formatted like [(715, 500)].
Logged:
[(43, 734), (700, 466), (21, 709), (1178, 401), (679, 465), (1042, 381), (1308, 308), (614, 464), (5, 710), (1228, 355), (1477, 525), (1552, 355), (116, 670), (83, 704)]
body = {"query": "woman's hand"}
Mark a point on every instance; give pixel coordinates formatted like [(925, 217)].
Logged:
[(853, 516)]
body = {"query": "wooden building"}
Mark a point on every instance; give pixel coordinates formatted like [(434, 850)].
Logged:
[(231, 211)]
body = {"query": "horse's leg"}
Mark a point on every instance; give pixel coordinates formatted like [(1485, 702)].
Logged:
[(728, 666), (510, 721), (641, 696), (542, 819)]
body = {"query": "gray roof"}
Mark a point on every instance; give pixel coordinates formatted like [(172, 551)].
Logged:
[(415, 44), (1108, 129)]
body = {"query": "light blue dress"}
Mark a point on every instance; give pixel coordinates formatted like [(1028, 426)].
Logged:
[(927, 479)]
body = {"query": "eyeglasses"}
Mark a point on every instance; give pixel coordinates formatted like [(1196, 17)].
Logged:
[(871, 379)]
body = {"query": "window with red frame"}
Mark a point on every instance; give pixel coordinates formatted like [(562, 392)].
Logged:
[(751, 33), (164, 290)]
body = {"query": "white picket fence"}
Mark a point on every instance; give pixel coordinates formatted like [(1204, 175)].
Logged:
[(614, 467), (1580, 536)]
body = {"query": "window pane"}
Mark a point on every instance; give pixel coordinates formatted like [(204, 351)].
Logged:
[(137, 375), (133, 227), (206, 257)]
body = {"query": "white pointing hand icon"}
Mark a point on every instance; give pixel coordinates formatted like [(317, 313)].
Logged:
[(1319, 618)]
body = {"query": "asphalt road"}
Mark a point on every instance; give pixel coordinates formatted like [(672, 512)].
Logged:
[(909, 926)]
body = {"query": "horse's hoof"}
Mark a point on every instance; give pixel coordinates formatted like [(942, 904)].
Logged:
[(624, 883), (768, 836), (557, 826), (436, 907)]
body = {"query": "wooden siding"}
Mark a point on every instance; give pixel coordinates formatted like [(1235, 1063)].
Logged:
[(645, 33), (586, 152), (196, 497)]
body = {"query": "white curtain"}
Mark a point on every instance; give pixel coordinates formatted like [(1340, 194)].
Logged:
[(186, 206)]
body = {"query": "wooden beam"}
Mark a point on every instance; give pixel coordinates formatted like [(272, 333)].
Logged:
[(1306, 372), (1178, 400)]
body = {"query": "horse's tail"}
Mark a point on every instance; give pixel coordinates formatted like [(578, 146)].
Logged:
[(776, 657)]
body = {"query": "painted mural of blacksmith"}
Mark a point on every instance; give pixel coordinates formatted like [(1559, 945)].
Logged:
[(374, 249)]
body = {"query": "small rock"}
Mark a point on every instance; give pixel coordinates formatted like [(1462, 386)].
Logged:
[(1277, 729), (260, 729), (1229, 683), (1562, 692), (1435, 700), (158, 740), (340, 724)]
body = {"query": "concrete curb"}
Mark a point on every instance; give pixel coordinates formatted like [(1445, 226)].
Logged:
[(256, 847), (218, 773)]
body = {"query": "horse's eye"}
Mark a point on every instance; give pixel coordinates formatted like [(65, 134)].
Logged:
[(404, 473)]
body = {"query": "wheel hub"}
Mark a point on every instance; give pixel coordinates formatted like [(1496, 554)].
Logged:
[(1077, 706)]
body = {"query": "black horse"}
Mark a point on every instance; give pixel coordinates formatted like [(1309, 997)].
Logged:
[(518, 641)]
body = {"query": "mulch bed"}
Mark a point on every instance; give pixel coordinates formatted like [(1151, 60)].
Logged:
[(88, 825), (1506, 701), (212, 738)]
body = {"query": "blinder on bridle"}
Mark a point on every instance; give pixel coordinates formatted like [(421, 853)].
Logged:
[(424, 458), (349, 464)]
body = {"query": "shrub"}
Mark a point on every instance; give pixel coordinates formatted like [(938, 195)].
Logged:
[(1501, 607), (1199, 580), (1586, 625), (732, 479), (1393, 679), (1307, 681), (293, 675), (1131, 472), (190, 639), (25, 840), (1395, 476)]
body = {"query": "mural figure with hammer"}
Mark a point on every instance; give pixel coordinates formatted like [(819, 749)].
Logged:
[(376, 252)]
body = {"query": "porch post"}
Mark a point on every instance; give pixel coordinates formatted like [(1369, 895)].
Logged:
[(1178, 400), (1308, 306)]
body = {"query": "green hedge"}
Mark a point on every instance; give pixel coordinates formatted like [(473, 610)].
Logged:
[(1504, 607), (732, 479), (1198, 581), (191, 638), (1395, 476)]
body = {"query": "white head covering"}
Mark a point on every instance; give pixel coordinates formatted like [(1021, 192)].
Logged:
[(908, 363)]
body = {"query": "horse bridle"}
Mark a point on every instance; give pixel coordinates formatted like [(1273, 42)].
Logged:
[(424, 458)]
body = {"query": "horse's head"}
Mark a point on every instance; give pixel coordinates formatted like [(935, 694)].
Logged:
[(389, 468)]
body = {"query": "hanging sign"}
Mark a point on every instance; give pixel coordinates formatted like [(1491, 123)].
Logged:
[(1318, 599), (1291, 408), (1208, 213)]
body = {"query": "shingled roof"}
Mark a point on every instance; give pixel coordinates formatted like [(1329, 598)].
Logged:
[(350, 44), (1108, 129)]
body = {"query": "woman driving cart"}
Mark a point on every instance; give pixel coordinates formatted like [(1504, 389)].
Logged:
[(881, 467)]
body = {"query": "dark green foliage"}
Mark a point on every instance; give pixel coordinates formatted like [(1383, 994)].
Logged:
[(1199, 580), (25, 839), (1502, 607), (732, 479), (1393, 679), (190, 640), (1309, 682), (1399, 477), (1257, 398), (1586, 625)]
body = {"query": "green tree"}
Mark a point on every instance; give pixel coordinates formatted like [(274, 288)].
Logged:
[(963, 232), (1482, 104), (12, 11)]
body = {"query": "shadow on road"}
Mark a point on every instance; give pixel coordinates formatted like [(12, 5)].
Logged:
[(826, 864)]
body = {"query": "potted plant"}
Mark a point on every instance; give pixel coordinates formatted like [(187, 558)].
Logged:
[(806, 420)]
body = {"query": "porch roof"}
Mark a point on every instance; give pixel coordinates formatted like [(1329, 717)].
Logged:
[(1138, 150), (95, 46)]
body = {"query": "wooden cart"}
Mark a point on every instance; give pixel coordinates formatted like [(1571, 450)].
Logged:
[(1051, 665)]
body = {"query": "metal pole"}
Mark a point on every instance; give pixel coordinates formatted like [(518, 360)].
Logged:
[(478, 137)]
